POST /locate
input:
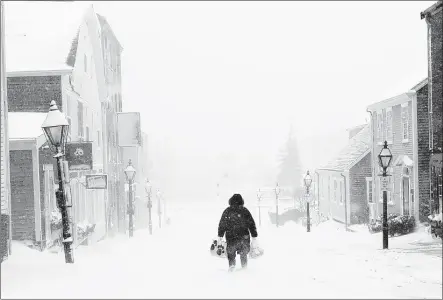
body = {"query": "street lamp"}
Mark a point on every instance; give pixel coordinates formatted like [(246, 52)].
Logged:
[(130, 175), (308, 181), (384, 160), (159, 210), (259, 195), (148, 188), (55, 128), (277, 192)]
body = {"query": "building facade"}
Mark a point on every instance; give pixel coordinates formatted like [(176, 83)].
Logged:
[(433, 16), (75, 79), (111, 105), (395, 120), (344, 184), (5, 234)]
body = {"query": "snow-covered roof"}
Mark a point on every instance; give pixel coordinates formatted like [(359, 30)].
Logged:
[(103, 24), (356, 148), (420, 85), (39, 34), (25, 125)]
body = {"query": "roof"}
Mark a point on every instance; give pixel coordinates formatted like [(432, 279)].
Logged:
[(32, 128), (389, 102), (356, 127), (420, 85), (431, 10), (354, 151), (39, 34), (103, 24)]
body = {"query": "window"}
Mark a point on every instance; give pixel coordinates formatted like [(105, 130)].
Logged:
[(80, 119), (87, 133), (69, 129), (369, 189), (335, 191), (405, 122), (98, 138), (380, 130), (389, 132), (342, 192), (85, 63)]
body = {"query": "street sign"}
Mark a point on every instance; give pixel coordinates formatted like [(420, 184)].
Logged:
[(96, 182), (385, 183)]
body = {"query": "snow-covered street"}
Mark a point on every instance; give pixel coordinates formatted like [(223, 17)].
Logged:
[(175, 263)]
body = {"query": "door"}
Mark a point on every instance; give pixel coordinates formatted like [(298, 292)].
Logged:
[(371, 204), (405, 195)]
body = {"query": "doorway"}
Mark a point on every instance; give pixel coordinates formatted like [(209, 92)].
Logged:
[(405, 195)]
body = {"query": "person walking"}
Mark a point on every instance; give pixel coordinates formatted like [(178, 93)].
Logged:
[(238, 225)]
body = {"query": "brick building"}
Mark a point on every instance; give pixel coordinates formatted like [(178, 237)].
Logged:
[(433, 16), (69, 70), (345, 184), (5, 233), (420, 92)]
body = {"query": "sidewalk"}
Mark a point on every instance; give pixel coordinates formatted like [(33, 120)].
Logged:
[(419, 241)]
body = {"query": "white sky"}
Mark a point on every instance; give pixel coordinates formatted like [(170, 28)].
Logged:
[(229, 77)]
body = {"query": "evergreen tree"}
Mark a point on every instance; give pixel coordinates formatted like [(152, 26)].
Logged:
[(290, 171)]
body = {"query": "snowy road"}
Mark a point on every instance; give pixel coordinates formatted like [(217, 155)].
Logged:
[(175, 263)]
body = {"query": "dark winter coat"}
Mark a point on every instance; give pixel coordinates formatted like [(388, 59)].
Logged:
[(236, 221)]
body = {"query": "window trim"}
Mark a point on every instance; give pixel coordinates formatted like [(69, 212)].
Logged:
[(389, 138), (85, 63), (69, 137), (334, 190), (341, 199), (404, 105), (380, 127)]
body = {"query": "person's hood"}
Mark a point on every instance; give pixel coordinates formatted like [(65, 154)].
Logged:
[(236, 200)]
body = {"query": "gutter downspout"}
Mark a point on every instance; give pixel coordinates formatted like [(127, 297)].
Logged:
[(346, 202), (372, 159)]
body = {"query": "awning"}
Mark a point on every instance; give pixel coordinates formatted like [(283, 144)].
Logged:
[(26, 126), (403, 160)]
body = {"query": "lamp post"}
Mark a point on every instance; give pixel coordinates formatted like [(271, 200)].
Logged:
[(384, 160), (130, 175), (308, 181), (277, 192), (148, 188), (55, 128)]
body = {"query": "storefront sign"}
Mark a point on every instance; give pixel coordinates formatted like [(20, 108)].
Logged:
[(79, 156), (96, 181)]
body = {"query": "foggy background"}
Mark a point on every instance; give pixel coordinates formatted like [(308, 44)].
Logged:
[(219, 84)]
